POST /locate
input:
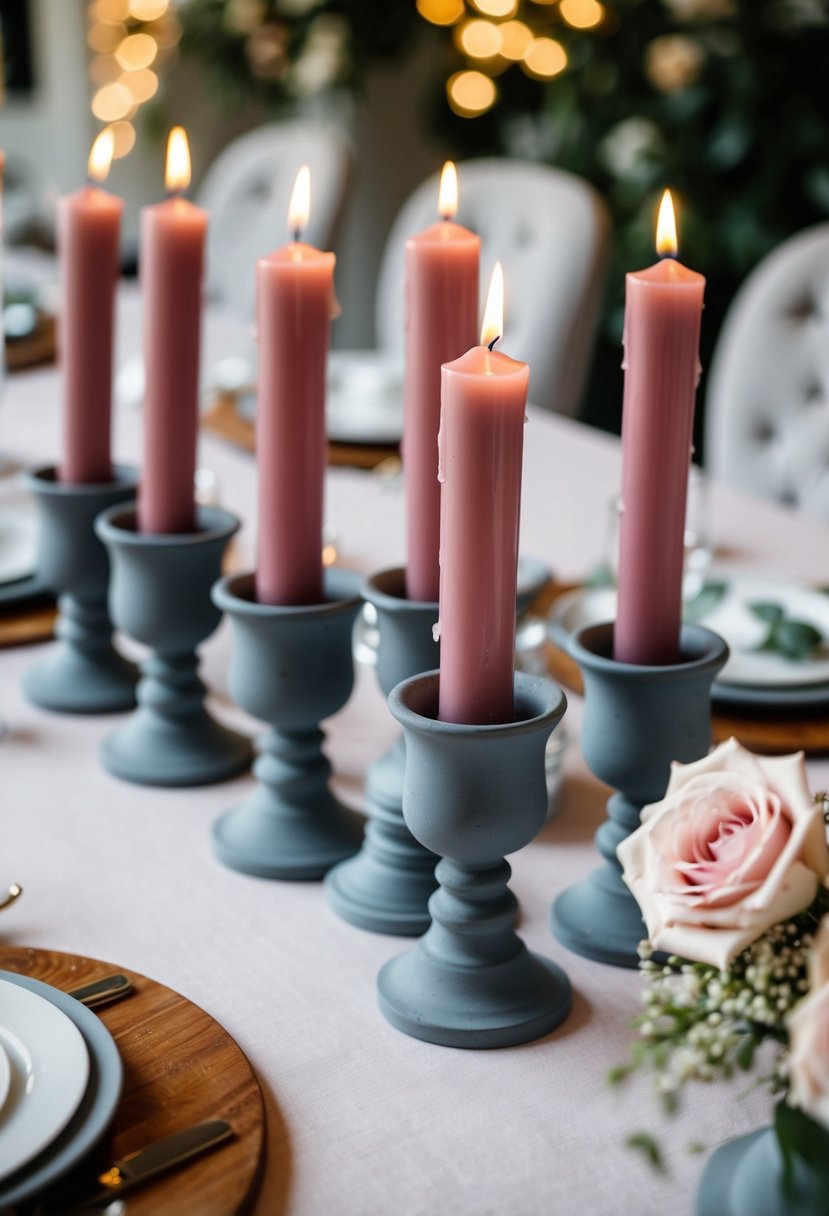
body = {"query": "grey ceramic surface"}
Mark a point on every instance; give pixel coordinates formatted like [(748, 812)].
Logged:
[(745, 1178), (290, 667), (21, 590), (386, 887), (160, 595), (83, 673), (473, 794), (637, 720), (803, 697), (95, 1113)]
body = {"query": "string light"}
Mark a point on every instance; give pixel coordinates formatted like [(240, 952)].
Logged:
[(515, 39), (581, 14), (441, 12), (136, 51), (471, 93), (497, 8), (111, 102), (148, 10), (479, 39), (544, 58)]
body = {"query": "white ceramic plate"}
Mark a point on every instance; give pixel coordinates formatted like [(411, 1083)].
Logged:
[(49, 1074), (733, 620), (17, 543), (364, 403), (5, 1079)]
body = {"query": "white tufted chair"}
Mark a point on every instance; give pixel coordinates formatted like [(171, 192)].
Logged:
[(551, 231), (247, 191), (768, 394)]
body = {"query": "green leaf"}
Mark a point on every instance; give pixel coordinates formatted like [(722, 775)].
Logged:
[(796, 639), (619, 1073), (771, 613), (646, 1144), (705, 601), (744, 1054), (601, 576), (802, 1137)]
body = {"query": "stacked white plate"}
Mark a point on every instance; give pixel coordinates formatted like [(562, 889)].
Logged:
[(60, 1082), (18, 540), (751, 677)]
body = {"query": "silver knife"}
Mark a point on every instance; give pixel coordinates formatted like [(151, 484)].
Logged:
[(149, 1162), (101, 992)]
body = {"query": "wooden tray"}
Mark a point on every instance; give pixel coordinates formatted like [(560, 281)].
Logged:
[(769, 732), (180, 1067), (32, 621), (39, 347), (223, 420)]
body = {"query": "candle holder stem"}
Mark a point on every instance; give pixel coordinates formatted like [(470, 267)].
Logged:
[(385, 888), (290, 666), (637, 721), (160, 595), (85, 674), (470, 981)]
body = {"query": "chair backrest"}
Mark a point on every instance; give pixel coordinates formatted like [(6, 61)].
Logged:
[(551, 232), (247, 191), (767, 424)]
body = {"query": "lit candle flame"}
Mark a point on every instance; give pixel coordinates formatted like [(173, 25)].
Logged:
[(666, 242), (100, 156), (299, 207), (177, 173), (493, 325), (448, 191)]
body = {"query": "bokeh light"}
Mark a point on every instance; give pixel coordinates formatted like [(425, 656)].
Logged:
[(544, 58), (123, 137), (515, 39), (112, 101), (441, 12), (479, 39), (497, 8), (104, 38), (470, 93), (148, 10), (581, 14), (142, 84), (136, 51), (110, 10), (103, 69)]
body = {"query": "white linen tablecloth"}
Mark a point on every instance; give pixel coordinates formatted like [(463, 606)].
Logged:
[(362, 1121)]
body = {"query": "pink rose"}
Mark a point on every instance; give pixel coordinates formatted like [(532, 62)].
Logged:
[(736, 845), (809, 1036)]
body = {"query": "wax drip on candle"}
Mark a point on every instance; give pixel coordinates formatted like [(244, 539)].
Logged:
[(177, 170)]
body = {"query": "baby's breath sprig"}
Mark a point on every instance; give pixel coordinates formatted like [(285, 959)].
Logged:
[(701, 1024)]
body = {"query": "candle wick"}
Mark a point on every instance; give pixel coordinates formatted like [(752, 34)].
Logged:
[(175, 194), (297, 235), (497, 338), (446, 217), (669, 257)]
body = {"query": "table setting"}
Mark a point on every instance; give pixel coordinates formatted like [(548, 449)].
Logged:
[(385, 973)]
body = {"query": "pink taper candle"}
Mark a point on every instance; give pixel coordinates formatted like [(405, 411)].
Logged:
[(89, 226), (171, 265), (442, 267), (295, 293), (484, 398), (662, 326)]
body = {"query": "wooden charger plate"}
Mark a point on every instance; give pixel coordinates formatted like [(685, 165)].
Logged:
[(768, 732), (180, 1067)]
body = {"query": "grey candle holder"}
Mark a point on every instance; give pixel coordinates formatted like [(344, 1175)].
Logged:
[(745, 1177), (291, 666), (471, 795), (386, 887), (85, 674), (160, 595), (637, 720)]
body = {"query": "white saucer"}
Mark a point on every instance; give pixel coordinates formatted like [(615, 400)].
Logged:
[(364, 402), (49, 1074), (5, 1079), (18, 537)]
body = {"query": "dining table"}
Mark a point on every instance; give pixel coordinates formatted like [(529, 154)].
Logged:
[(361, 1119)]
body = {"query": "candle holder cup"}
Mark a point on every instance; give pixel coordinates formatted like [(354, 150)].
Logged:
[(386, 887), (637, 720), (471, 795), (85, 674), (747, 1176), (291, 666), (160, 595)]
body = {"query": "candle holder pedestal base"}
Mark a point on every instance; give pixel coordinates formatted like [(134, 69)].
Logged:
[(291, 666), (160, 595), (470, 981), (745, 1177), (637, 721), (386, 887), (85, 674)]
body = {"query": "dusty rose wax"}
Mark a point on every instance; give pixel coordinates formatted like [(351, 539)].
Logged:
[(295, 291), (88, 235), (662, 325), (171, 267), (442, 267), (484, 398)]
